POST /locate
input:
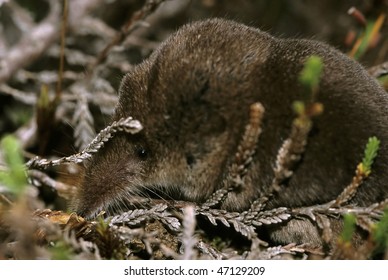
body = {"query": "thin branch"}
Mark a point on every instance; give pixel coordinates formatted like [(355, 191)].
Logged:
[(188, 238), (28, 98), (288, 156), (46, 77), (327, 209), (79, 9), (379, 70), (358, 16), (128, 125), (21, 17), (350, 191), (95, 26), (37, 41), (32, 45), (243, 157), (63, 189), (84, 124), (58, 91), (147, 9), (290, 153)]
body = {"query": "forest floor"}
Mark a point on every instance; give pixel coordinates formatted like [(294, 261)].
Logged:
[(58, 88)]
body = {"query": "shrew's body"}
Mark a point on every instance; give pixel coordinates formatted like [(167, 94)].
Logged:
[(193, 97)]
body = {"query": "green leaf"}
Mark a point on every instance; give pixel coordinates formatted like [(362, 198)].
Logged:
[(311, 72), (370, 153), (372, 30), (14, 177), (61, 251), (383, 80), (380, 234), (349, 227), (44, 99), (298, 107)]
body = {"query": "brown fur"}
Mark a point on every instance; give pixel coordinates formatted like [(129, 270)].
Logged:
[(193, 96)]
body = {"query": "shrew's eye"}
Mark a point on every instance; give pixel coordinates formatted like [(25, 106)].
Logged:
[(142, 153)]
